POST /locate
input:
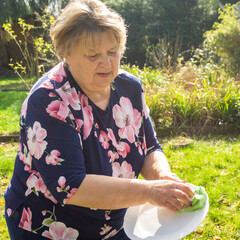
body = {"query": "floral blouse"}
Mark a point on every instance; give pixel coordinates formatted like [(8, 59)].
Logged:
[(65, 136)]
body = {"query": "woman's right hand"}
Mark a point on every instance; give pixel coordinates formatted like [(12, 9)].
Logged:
[(169, 194)]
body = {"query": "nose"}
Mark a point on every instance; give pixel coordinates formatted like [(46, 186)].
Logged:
[(105, 61)]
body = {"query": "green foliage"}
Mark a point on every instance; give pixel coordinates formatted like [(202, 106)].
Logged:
[(224, 38), (36, 49), (191, 96), (170, 20)]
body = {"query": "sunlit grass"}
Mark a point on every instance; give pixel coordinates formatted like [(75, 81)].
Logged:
[(7, 157), (212, 162), (10, 108)]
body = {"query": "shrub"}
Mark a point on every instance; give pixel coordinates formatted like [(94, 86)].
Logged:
[(224, 38), (190, 98)]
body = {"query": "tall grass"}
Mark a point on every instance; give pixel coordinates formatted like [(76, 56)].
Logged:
[(190, 97)]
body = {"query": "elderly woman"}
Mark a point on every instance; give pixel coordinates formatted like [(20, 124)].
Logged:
[(86, 135)]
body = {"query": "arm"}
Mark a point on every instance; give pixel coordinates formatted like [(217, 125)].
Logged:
[(103, 192), (156, 167)]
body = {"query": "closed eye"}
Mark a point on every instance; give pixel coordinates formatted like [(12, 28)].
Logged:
[(93, 56), (112, 53)]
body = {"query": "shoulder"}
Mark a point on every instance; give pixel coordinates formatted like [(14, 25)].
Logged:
[(128, 77), (128, 83)]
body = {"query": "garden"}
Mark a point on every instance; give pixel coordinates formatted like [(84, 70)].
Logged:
[(194, 103)]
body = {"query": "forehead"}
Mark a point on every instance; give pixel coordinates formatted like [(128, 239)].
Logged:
[(94, 41)]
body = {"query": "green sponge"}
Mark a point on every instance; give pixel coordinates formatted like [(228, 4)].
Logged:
[(198, 200)]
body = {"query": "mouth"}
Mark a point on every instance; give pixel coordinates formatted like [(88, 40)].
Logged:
[(104, 75)]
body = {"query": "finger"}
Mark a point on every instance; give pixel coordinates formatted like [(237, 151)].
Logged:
[(186, 189), (176, 203), (171, 207), (183, 197)]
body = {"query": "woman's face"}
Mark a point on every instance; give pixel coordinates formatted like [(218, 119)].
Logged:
[(94, 64)]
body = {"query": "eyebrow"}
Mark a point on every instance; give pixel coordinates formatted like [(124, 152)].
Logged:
[(95, 50)]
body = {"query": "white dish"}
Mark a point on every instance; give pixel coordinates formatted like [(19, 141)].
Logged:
[(149, 222)]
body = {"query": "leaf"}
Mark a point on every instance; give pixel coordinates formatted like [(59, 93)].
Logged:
[(47, 222)]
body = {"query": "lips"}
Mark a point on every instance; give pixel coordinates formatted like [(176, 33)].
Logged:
[(104, 75)]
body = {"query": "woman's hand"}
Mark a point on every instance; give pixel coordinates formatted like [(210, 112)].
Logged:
[(169, 194)]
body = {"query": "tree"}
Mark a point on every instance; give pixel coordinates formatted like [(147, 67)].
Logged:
[(170, 20), (12, 9), (224, 38)]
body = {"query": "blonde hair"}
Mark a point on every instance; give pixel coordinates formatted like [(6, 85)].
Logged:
[(85, 17)]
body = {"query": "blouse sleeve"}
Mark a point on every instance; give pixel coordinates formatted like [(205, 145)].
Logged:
[(54, 144), (152, 143)]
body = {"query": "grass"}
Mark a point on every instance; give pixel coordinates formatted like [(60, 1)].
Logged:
[(7, 156), (10, 108), (214, 164), (210, 162), (15, 83)]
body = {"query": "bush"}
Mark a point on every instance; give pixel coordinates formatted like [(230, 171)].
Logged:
[(224, 38), (190, 98)]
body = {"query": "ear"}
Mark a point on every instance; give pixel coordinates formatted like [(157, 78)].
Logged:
[(66, 59)]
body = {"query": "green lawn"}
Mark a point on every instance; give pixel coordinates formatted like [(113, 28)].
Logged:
[(10, 108), (211, 162)]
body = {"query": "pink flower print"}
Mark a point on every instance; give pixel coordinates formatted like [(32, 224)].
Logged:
[(9, 212), (79, 123), (122, 148), (105, 229), (111, 234), (59, 231), (35, 141), (53, 158), (26, 219), (104, 139), (127, 119), (72, 192), (40, 185), (51, 94), (62, 181), (122, 171), (31, 183), (107, 213), (24, 107), (145, 110), (113, 155), (69, 96), (58, 109), (87, 116), (35, 184), (138, 145), (28, 162), (57, 73), (49, 196), (47, 84), (27, 159)]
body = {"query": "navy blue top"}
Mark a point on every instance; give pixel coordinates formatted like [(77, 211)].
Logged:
[(65, 136)]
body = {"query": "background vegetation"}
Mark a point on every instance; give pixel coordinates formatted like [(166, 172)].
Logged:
[(187, 54)]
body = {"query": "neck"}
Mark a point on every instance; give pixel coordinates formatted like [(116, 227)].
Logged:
[(99, 98)]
